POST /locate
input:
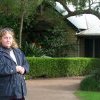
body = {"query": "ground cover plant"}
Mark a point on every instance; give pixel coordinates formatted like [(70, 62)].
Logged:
[(88, 95)]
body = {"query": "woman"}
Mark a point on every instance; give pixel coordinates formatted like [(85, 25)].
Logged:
[(13, 67)]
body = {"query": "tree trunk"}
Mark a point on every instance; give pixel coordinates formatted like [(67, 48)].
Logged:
[(21, 23), (21, 29)]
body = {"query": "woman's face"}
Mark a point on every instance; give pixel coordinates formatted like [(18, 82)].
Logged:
[(7, 40)]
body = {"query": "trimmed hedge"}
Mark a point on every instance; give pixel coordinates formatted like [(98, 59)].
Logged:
[(61, 67)]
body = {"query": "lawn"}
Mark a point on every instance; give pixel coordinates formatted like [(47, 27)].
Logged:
[(85, 95)]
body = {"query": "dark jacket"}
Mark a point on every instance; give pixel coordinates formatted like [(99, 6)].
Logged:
[(11, 82)]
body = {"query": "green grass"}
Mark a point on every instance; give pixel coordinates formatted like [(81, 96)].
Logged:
[(85, 95)]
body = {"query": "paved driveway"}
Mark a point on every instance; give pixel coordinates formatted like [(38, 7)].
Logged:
[(52, 89)]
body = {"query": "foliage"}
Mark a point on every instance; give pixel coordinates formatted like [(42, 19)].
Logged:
[(32, 50), (94, 78), (53, 35), (9, 21), (79, 4), (90, 84), (50, 31), (88, 95), (57, 43), (19, 8), (60, 67), (15, 6)]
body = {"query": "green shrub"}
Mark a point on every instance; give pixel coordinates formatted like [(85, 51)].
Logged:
[(90, 84), (32, 50), (96, 73), (61, 67)]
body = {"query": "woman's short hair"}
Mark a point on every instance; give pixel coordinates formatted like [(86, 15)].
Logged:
[(4, 31)]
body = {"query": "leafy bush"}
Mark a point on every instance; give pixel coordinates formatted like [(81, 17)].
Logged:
[(61, 67), (90, 84), (32, 50), (96, 74)]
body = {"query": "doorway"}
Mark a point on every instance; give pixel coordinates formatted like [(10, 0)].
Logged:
[(92, 47)]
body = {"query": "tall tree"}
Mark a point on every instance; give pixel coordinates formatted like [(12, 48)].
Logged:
[(81, 7), (27, 7), (19, 8)]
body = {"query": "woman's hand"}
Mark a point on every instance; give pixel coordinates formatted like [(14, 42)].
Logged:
[(20, 69)]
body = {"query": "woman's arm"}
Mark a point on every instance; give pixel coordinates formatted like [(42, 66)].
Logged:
[(6, 69)]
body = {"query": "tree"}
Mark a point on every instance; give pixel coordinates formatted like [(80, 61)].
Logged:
[(19, 8), (81, 7), (23, 8), (28, 7), (50, 31)]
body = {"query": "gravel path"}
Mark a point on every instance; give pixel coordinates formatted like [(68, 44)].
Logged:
[(52, 89)]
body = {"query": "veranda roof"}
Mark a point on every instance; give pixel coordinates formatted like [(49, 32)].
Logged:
[(84, 21), (94, 31)]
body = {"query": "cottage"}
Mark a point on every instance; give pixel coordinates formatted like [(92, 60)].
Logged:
[(88, 35), (89, 42)]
